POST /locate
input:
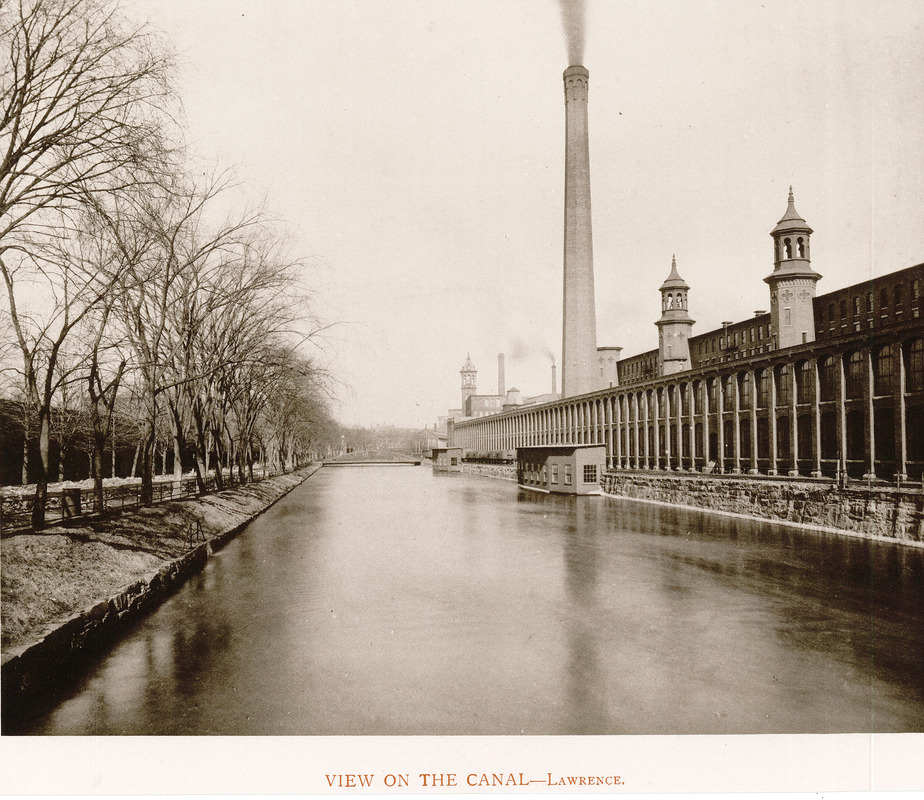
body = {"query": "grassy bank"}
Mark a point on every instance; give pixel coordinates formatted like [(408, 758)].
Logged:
[(47, 577)]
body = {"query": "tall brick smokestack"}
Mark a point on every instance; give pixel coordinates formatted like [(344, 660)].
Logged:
[(579, 323)]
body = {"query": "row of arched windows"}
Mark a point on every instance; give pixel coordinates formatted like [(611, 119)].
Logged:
[(680, 424)]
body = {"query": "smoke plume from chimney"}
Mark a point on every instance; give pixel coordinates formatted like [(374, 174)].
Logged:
[(572, 16)]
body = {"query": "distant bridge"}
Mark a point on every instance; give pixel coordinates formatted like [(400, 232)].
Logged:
[(370, 458)]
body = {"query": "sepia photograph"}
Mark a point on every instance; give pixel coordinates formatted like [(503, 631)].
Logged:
[(423, 396)]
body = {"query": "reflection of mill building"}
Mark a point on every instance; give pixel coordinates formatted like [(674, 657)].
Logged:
[(816, 382)]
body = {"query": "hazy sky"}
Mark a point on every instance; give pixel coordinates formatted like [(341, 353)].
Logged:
[(417, 148)]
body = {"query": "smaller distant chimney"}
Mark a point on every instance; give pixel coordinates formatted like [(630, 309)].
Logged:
[(501, 383), (554, 380)]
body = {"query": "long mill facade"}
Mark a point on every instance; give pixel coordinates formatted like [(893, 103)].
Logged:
[(820, 385)]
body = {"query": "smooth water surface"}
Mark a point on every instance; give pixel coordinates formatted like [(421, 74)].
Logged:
[(390, 600)]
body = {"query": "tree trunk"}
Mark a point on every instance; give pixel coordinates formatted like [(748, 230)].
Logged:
[(201, 469), (177, 456), (148, 439), (135, 460), (97, 470), (41, 485), (219, 476), (147, 469)]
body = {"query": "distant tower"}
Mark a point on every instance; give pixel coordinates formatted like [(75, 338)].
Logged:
[(792, 283), (468, 373), (579, 326), (675, 324)]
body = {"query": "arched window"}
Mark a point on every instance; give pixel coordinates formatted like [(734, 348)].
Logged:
[(828, 436), (763, 388), (787, 248), (882, 379), (800, 247), (855, 375), (915, 377), (804, 429), (783, 385), (744, 437), (884, 436), (783, 439), (828, 376), (804, 382), (728, 393), (745, 393), (763, 438), (856, 438)]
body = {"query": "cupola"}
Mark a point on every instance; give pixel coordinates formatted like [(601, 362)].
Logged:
[(792, 282), (675, 325)]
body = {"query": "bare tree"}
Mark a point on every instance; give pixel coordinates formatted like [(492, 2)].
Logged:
[(171, 293), (82, 96), (248, 303), (78, 92), (51, 289)]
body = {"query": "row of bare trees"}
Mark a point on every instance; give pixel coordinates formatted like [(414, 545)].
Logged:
[(133, 280)]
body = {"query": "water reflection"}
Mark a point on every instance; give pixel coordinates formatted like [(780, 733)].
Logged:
[(393, 601)]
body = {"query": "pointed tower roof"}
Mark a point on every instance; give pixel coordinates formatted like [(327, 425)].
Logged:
[(468, 366), (674, 281), (791, 220)]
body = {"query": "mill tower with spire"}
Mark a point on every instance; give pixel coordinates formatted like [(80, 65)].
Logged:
[(468, 373), (792, 282), (675, 325)]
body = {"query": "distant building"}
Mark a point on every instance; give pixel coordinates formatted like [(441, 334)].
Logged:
[(608, 364)]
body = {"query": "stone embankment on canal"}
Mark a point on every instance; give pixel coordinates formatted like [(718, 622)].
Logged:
[(878, 512), (886, 513), (68, 589), (507, 472)]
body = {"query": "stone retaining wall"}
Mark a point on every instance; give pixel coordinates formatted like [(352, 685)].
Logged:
[(35, 671), (507, 472), (878, 513)]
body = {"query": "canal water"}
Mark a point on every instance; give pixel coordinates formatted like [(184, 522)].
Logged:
[(391, 600)]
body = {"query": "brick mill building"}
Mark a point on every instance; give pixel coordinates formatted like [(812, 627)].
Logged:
[(819, 386), (816, 385)]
